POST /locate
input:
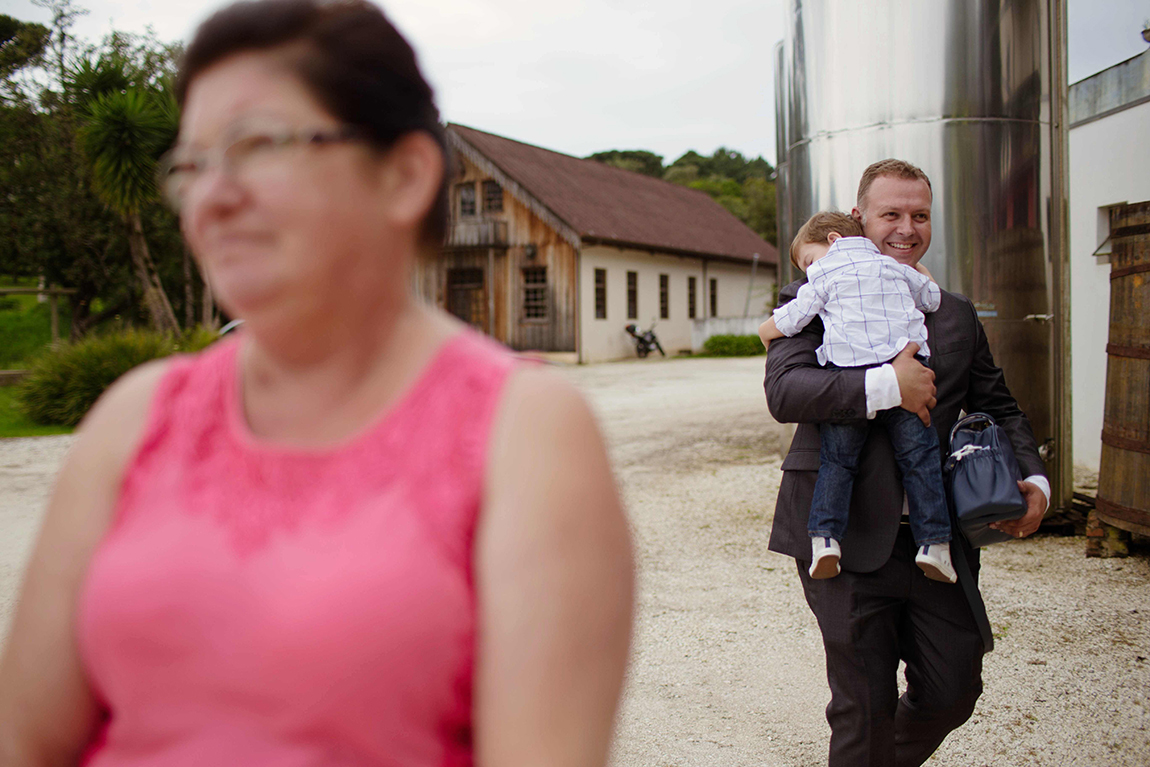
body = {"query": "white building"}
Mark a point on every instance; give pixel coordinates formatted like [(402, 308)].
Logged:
[(553, 253), (1109, 165)]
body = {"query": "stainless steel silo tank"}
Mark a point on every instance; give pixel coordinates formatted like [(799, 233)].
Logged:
[(973, 92)]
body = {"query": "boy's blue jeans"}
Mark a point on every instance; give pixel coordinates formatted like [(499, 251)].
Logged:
[(915, 449)]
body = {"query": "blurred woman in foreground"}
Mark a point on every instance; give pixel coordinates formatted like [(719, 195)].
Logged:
[(357, 533)]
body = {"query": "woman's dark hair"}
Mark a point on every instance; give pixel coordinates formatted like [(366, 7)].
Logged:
[(348, 55)]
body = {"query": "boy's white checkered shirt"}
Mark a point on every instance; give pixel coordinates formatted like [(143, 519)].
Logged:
[(871, 305)]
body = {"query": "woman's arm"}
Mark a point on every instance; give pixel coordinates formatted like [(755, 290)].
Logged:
[(555, 582), (47, 711)]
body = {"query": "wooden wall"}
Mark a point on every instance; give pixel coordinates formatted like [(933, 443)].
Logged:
[(503, 265)]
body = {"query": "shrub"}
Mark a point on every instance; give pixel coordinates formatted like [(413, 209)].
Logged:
[(64, 382), (196, 339), (733, 346)]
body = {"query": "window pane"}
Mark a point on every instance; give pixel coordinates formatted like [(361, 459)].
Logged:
[(492, 197), (691, 298), (632, 295), (466, 196), (535, 293), (600, 294), (664, 297), (714, 298)]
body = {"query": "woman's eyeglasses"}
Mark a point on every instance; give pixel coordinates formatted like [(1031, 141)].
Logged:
[(244, 157)]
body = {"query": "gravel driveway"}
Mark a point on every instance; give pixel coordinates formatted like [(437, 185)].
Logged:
[(728, 666)]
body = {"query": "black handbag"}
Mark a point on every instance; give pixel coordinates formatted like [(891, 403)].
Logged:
[(982, 477)]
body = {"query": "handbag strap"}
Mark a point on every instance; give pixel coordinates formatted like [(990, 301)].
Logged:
[(969, 420), (966, 578), (970, 588)]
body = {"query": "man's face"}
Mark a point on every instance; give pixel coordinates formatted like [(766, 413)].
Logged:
[(896, 217)]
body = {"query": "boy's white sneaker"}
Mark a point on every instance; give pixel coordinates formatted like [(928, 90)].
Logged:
[(825, 555), (934, 561)]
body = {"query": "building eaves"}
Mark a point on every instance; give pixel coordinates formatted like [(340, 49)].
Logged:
[(1112, 90)]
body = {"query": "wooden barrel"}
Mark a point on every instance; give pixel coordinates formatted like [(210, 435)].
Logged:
[(1124, 474)]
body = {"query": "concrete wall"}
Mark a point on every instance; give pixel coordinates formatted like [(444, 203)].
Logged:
[(733, 280), (1109, 165), (605, 339)]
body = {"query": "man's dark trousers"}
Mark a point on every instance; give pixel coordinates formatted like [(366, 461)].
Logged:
[(868, 622)]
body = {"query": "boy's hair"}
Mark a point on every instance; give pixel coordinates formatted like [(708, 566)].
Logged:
[(819, 226), (889, 167)]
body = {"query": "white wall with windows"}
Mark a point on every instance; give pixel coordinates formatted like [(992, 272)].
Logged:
[(607, 302), (733, 282), (1109, 165)]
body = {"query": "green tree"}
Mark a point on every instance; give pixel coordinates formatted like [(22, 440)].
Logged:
[(21, 43), (684, 174), (123, 134), (52, 222), (725, 163), (744, 187), (636, 160), (762, 208)]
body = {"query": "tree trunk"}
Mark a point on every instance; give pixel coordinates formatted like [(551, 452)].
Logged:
[(155, 299)]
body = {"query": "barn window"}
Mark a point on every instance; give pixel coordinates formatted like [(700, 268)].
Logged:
[(714, 298), (691, 313), (492, 197), (664, 297), (535, 292), (632, 295), (600, 294), (465, 194)]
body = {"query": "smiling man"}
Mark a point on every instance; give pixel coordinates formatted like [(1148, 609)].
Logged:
[(881, 608)]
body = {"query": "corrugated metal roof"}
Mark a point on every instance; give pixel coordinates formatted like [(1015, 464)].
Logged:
[(611, 205)]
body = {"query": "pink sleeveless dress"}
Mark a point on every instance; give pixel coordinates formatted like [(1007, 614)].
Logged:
[(261, 605)]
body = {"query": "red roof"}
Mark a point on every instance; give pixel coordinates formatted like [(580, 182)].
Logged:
[(608, 204)]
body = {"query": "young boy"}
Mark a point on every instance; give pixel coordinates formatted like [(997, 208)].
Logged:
[(871, 307)]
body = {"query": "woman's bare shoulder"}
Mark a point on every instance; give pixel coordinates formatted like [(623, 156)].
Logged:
[(105, 442), (114, 425), (548, 459), (539, 404)]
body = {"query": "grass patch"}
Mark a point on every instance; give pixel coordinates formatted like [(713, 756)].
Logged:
[(13, 422), (26, 328)]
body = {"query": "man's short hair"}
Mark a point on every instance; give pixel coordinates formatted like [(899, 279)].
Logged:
[(893, 168), (819, 226)]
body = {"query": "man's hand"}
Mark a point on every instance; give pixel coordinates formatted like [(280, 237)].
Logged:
[(1035, 511), (915, 383)]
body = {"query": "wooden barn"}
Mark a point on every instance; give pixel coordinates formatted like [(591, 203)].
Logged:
[(548, 252)]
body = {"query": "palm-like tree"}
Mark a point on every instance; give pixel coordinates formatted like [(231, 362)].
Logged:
[(123, 132)]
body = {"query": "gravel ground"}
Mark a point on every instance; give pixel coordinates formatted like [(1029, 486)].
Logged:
[(727, 666)]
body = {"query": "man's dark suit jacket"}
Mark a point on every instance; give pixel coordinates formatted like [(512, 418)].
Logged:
[(799, 391)]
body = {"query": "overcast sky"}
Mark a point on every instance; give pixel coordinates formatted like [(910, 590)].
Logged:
[(587, 75)]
